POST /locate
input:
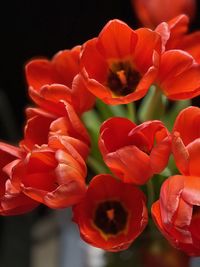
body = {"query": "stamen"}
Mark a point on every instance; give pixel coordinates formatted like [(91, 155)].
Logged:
[(111, 217), (122, 78), (111, 214)]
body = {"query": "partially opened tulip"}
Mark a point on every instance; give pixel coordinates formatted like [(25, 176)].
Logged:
[(118, 66), (153, 12), (179, 71), (186, 141), (54, 176), (174, 34), (41, 125), (12, 201), (177, 213), (179, 75), (112, 214), (134, 153), (53, 80)]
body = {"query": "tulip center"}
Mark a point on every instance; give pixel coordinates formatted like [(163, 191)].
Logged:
[(110, 217), (122, 78)]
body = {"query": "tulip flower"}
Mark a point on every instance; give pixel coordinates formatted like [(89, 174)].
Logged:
[(174, 34), (186, 141), (54, 176), (12, 202), (179, 69), (112, 214), (179, 75), (41, 125), (134, 153), (153, 12), (53, 80), (177, 212), (118, 66)]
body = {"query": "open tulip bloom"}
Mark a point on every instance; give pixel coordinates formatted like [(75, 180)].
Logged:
[(126, 147), (107, 216)]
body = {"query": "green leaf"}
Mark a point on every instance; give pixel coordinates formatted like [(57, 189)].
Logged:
[(153, 105), (171, 115)]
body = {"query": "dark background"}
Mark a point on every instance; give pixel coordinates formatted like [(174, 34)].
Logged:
[(29, 29)]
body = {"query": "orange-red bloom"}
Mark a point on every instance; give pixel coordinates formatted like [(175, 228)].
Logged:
[(42, 125), (134, 153), (174, 34), (53, 80), (153, 12), (118, 66), (11, 201), (177, 213), (53, 175), (179, 75), (186, 141), (112, 214)]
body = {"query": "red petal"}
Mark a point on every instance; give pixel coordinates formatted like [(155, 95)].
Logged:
[(66, 195), (130, 164), (169, 197), (82, 99), (181, 155), (117, 40), (179, 75), (17, 204), (39, 72), (191, 190), (194, 158), (143, 56), (97, 71), (114, 134), (36, 131), (188, 124), (55, 108), (66, 65), (160, 155), (77, 148)]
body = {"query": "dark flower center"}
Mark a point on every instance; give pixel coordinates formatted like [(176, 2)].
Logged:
[(122, 78), (110, 217)]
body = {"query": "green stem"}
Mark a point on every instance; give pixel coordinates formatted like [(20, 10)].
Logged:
[(153, 105), (96, 165), (131, 112), (103, 110)]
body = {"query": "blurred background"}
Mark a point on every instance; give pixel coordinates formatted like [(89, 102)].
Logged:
[(29, 29)]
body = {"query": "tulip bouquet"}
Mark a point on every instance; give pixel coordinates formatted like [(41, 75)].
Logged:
[(121, 105)]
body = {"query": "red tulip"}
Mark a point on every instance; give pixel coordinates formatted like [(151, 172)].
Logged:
[(177, 213), (179, 75), (134, 153), (53, 80), (12, 202), (54, 176), (186, 141), (153, 12), (41, 125), (112, 214), (118, 66), (174, 34)]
